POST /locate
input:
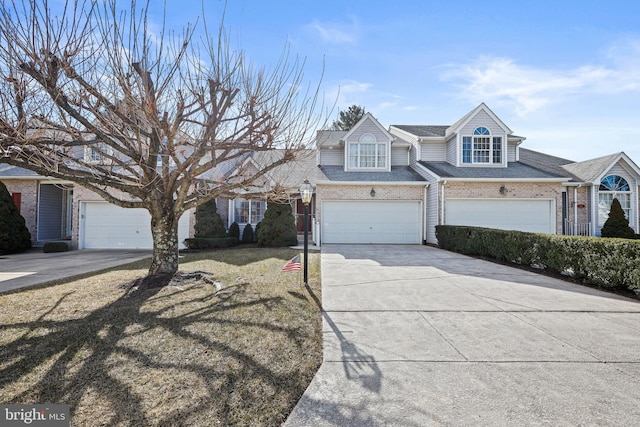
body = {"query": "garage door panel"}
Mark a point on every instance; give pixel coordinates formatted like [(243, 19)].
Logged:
[(371, 222), (107, 226), (514, 214)]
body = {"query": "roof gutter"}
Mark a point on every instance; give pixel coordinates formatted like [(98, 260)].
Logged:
[(453, 179), (370, 183)]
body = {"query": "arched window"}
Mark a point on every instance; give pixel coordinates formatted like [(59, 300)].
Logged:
[(613, 186), (367, 153), (481, 147)]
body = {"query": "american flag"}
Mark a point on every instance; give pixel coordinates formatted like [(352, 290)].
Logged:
[(292, 265)]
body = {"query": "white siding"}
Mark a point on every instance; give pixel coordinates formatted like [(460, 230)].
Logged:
[(618, 169), (399, 156), (434, 152), (432, 205), (332, 157), (511, 152), (369, 126), (452, 150), (482, 119)]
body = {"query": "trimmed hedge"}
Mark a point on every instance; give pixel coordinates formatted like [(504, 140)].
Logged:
[(603, 262), (210, 242)]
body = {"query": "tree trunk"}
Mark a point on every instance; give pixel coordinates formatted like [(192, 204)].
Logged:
[(164, 229)]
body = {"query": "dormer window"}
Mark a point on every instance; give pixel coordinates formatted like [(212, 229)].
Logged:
[(367, 153), (481, 147)]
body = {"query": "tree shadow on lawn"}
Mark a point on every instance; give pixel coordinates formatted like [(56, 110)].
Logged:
[(153, 359)]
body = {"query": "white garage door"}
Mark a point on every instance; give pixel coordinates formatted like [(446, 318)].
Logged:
[(371, 222), (511, 214), (107, 226)]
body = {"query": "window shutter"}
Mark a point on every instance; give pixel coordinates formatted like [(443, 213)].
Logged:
[(17, 200)]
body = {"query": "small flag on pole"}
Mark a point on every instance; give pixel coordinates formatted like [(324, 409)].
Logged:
[(292, 265)]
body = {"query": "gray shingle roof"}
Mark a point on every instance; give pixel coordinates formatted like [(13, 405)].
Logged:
[(326, 138), (590, 170), (424, 130), (13, 171), (515, 170), (397, 174), (546, 162)]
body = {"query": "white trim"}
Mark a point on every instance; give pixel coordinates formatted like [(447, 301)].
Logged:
[(370, 183), (506, 179)]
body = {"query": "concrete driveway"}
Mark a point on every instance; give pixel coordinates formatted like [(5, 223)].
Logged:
[(35, 267), (417, 336)]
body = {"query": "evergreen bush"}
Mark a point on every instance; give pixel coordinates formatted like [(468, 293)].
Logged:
[(247, 234), (14, 234), (208, 221), (278, 226), (617, 225), (234, 231)]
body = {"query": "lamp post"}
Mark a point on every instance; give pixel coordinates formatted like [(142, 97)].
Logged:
[(306, 192)]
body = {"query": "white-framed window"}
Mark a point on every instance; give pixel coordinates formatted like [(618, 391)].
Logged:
[(367, 153), (481, 147), (98, 153), (613, 187), (248, 211)]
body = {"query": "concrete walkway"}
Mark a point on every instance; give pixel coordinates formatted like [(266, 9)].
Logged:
[(35, 267), (417, 336)]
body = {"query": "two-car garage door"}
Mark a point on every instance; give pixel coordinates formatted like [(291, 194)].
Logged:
[(107, 226), (532, 215), (371, 222)]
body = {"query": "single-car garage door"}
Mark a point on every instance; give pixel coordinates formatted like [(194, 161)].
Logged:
[(107, 226), (506, 214), (371, 222)]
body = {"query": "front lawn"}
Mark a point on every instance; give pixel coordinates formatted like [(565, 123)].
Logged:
[(236, 343)]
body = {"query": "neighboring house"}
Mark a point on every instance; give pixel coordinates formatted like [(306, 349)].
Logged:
[(373, 185), (396, 185)]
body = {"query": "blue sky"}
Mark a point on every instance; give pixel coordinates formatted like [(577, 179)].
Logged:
[(564, 74)]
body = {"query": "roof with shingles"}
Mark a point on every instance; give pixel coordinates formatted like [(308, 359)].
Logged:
[(15, 171), (397, 174), (424, 130), (546, 162), (590, 170), (515, 170)]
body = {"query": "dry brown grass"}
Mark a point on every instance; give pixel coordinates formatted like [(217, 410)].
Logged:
[(240, 351)]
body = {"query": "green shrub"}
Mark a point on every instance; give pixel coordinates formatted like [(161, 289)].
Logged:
[(617, 225), (256, 231), (234, 231), (55, 247), (14, 234), (208, 221), (602, 262), (278, 226), (247, 234), (204, 243)]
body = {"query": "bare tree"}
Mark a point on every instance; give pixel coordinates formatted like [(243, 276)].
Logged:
[(144, 118)]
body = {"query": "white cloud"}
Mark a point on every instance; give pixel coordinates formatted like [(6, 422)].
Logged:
[(333, 33), (525, 89)]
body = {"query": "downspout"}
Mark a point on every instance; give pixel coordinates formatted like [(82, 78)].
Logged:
[(575, 208), (442, 203), (424, 216)]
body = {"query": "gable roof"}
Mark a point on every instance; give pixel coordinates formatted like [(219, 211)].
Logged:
[(592, 170), (366, 117), (454, 128)]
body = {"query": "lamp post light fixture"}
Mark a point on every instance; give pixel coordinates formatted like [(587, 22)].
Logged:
[(306, 192)]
